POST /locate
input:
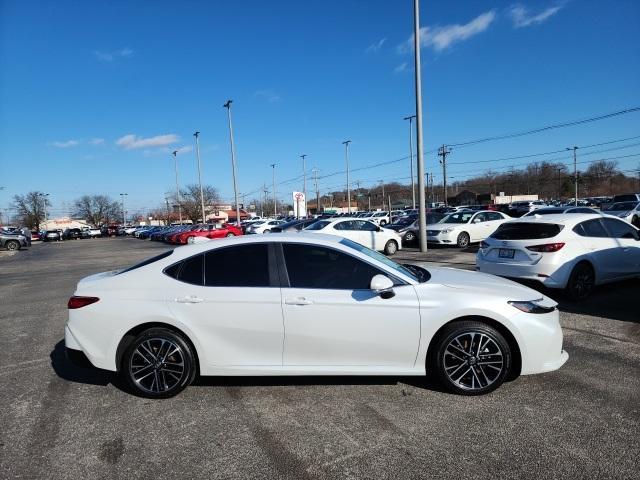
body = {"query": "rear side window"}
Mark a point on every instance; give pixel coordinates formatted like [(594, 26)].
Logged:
[(146, 262), (241, 266), (526, 231), (318, 225)]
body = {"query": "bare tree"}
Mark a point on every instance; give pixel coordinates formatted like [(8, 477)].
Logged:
[(190, 201), (97, 209), (31, 208)]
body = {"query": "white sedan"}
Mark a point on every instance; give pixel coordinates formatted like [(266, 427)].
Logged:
[(362, 231), (465, 227), (307, 305), (263, 226), (574, 252)]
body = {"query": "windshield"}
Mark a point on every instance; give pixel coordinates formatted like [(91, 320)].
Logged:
[(458, 217), (406, 220), (622, 206), (381, 258), (318, 225)]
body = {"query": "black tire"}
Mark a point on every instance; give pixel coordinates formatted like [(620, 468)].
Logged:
[(463, 240), (12, 245), (268, 230), (150, 376), (391, 248), (581, 282), (383, 223), (409, 237), (457, 348), (635, 221), (231, 234)]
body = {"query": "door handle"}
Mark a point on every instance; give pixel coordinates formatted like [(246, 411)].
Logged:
[(190, 299), (297, 301)]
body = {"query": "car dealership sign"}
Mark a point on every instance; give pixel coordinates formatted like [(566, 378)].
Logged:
[(299, 204)]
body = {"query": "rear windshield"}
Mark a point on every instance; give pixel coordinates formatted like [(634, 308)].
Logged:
[(318, 225), (526, 231), (147, 261)]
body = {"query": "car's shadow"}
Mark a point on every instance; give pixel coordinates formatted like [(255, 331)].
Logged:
[(90, 375)]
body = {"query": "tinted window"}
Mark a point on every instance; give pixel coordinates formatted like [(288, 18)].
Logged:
[(145, 262), (365, 226), (192, 270), (318, 225), (591, 228), (526, 231), (620, 229), (241, 266), (344, 226), (310, 266), (494, 216), (481, 217)]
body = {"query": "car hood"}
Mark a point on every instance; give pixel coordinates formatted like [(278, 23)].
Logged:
[(485, 284), (442, 226)]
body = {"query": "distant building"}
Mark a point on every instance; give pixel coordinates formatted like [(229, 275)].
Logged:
[(62, 223)]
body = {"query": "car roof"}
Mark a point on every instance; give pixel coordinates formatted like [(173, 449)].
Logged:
[(561, 218)]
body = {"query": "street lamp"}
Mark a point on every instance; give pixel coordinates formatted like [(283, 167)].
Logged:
[(422, 213), (413, 184), (44, 205), (124, 214), (175, 157), (575, 174), (346, 154), (275, 205), (197, 134), (233, 161), (304, 183)]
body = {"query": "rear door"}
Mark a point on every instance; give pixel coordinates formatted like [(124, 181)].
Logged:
[(627, 238), (603, 250)]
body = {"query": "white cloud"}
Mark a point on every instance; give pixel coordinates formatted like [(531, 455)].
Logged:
[(125, 52), (65, 144), (97, 141), (131, 141), (440, 38), (376, 46), (401, 68), (521, 16), (269, 95)]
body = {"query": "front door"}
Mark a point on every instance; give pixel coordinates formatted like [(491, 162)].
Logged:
[(334, 321)]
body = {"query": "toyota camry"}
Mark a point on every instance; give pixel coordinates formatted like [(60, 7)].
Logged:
[(307, 304)]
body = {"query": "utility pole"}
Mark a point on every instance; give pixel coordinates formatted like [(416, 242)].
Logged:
[(197, 134), (175, 157), (315, 179), (168, 212), (413, 184), (346, 154), (265, 190), (443, 151), (382, 184), (575, 174), (275, 204), (422, 213), (233, 161), (124, 214), (304, 182)]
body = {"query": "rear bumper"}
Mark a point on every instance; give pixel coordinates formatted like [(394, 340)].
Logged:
[(77, 357), (537, 272)]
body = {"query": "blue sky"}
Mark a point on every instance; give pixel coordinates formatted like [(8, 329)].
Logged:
[(95, 95)]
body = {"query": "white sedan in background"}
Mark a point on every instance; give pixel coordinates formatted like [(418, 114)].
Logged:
[(307, 305), (465, 227), (362, 231), (629, 211), (574, 252), (263, 226)]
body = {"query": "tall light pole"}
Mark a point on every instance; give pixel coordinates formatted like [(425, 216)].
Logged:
[(233, 161), (304, 182), (175, 157), (197, 134), (346, 155), (44, 206), (315, 177), (124, 213), (275, 204), (575, 174), (413, 183), (422, 215)]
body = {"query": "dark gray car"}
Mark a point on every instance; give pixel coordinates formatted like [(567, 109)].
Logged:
[(13, 241)]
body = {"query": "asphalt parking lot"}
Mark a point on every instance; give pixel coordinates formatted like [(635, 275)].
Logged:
[(59, 421)]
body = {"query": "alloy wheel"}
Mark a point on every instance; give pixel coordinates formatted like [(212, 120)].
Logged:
[(473, 361), (157, 365), (582, 282)]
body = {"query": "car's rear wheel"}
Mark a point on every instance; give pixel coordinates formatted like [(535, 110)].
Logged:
[(471, 358), (190, 239), (581, 282), (12, 245), (390, 248), (158, 363), (231, 234), (463, 240), (409, 237)]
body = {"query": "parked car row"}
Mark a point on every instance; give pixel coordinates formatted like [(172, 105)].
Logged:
[(183, 234)]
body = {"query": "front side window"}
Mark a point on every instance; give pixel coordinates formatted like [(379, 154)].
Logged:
[(239, 266), (458, 217), (591, 228), (344, 226), (318, 225), (620, 229), (494, 216), (311, 266)]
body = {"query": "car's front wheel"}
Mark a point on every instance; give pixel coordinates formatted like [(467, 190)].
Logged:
[(463, 240), (390, 248), (158, 363), (12, 245), (190, 239), (409, 237), (230, 234), (471, 358)]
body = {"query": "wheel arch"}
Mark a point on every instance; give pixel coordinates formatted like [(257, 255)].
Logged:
[(129, 336), (516, 364)]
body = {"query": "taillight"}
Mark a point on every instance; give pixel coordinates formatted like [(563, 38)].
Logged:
[(79, 302), (547, 247)]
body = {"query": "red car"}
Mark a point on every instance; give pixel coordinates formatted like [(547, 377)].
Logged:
[(209, 231)]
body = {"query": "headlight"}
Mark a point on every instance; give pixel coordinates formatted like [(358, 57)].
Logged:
[(446, 230), (531, 306)]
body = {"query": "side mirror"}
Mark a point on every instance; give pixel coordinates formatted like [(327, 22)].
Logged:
[(383, 286)]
